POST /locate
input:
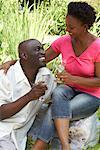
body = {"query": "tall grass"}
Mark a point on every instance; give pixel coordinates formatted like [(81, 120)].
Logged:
[(20, 24)]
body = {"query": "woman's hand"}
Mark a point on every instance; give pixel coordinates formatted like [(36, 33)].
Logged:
[(65, 77), (7, 65)]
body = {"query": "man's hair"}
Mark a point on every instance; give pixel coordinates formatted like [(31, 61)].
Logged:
[(26, 42), (26, 45), (82, 11)]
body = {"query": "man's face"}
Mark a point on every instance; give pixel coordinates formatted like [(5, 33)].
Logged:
[(37, 55)]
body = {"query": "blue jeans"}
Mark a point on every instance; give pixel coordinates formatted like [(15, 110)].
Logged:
[(67, 103), (74, 104)]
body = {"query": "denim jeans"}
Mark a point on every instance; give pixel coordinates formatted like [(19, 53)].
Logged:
[(66, 103), (73, 104)]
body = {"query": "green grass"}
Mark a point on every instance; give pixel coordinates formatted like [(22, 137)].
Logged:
[(96, 147), (30, 142)]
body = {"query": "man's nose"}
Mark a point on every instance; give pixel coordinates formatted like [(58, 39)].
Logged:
[(42, 51)]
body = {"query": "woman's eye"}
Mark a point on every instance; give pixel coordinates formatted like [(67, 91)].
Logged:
[(71, 28)]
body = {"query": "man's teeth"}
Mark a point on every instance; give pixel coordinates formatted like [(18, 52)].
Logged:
[(42, 58)]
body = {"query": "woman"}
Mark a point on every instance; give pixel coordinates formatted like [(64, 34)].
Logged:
[(79, 97)]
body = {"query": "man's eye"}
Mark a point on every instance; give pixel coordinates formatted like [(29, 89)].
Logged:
[(38, 49)]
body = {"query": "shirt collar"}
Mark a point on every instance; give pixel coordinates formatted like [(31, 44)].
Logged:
[(19, 74)]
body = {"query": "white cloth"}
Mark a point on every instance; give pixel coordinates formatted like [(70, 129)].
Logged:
[(6, 143), (84, 133), (14, 85)]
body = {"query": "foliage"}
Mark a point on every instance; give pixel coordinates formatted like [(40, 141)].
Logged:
[(96, 27), (18, 24), (59, 18)]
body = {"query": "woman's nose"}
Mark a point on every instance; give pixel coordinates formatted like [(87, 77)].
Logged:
[(67, 29)]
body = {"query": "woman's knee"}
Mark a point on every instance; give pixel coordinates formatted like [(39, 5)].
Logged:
[(62, 92), (83, 105)]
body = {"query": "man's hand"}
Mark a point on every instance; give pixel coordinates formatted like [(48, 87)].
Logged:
[(37, 91), (10, 109), (7, 65)]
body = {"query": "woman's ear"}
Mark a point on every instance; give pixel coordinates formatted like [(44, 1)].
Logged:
[(85, 27)]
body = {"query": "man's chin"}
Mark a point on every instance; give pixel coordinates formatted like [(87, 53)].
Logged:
[(43, 64)]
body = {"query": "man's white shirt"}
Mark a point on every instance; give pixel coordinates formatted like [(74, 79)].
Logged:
[(14, 85)]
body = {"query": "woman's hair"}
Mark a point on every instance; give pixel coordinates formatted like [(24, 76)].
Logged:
[(82, 11)]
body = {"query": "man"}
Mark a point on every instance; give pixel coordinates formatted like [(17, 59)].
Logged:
[(22, 94)]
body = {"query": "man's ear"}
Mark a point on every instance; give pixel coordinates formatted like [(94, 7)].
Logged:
[(24, 56)]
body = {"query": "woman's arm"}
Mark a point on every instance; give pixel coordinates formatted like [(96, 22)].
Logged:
[(87, 82), (92, 82), (7, 65), (50, 54)]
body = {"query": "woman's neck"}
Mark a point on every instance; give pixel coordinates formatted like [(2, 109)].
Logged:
[(85, 39), (81, 44)]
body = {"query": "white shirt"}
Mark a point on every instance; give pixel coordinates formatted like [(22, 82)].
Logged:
[(14, 85)]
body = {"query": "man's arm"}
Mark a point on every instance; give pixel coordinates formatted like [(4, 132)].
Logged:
[(10, 109)]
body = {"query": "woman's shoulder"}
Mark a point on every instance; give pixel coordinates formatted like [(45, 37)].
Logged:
[(96, 43), (94, 49), (63, 39), (60, 43)]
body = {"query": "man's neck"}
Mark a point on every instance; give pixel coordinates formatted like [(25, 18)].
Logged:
[(30, 72)]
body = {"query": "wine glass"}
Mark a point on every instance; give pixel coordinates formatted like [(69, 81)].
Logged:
[(45, 79), (61, 68)]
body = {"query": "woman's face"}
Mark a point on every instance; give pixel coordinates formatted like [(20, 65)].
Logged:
[(74, 27)]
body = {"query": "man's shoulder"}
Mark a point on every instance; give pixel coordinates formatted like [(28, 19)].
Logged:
[(8, 77), (2, 74), (4, 80)]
